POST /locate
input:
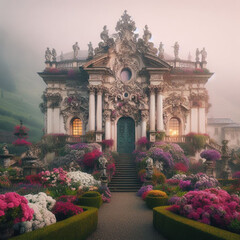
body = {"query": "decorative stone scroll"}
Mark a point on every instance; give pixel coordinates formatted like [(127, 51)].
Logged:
[(53, 99)]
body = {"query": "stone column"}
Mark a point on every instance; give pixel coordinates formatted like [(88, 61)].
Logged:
[(160, 126), (152, 113), (99, 114), (107, 116), (91, 121), (144, 115)]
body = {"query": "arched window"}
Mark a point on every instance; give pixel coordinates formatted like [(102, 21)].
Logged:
[(76, 127), (174, 127)]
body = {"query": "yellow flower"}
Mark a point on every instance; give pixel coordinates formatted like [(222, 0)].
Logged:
[(157, 193)]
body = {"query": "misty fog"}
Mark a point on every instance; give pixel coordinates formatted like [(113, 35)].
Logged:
[(27, 27)]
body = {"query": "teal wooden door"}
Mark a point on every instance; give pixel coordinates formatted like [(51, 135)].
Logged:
[(125, 135)]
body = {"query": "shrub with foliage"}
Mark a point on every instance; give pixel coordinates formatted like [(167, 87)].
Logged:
[(158, 177), (212, 155), (63, 210), (211, 206), (4, 182), (197, 140), (144, 189)]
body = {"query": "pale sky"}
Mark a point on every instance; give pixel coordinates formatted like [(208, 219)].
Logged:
[(33, 25)]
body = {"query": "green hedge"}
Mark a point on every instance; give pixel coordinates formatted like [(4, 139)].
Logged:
[(76, 227), (173, 226), (228, 181), (153, 202), (90, 199)]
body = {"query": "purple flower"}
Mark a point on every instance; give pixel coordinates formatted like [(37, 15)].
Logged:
[(78, 146), (144, 189), (185, 185), (210, 155)]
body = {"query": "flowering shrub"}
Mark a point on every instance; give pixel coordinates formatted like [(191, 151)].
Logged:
[(143, 141), (212, 155), (144, 195), (173, 200), (33, 179), (180, 167), (144, 189), (20, 130), (107, 143), (173, 182), (139, 156), (236, 175), (179, 177), (42, 217), (54, 178), (13, 209), (196, 167), (175, 150), (157, 154), (21, 142), (63, 210), (142, 175), (4, 182), (90, 158), (79, 146), (67, 198), (197, 181), (211, 206), (158, 177), (26, 188), (83, 179), (41, 199), (156, 193), (106, 194)]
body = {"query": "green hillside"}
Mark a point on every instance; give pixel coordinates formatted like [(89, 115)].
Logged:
[(14, 107)]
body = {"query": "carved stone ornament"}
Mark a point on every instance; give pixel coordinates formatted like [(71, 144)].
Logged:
[(53, 99), (126, 100), (199, 99), (175, 105), (75, 105)]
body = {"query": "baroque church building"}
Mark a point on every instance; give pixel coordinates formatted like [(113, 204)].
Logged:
[(125, 89)]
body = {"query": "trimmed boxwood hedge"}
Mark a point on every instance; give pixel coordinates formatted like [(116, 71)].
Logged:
[(76, 227), (91, 199), (173, 226), (156, 201)]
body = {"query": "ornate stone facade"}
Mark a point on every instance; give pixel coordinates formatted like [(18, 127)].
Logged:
[(125, 76)]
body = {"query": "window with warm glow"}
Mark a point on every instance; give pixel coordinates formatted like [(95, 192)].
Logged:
[(174, 127), (76, 127)]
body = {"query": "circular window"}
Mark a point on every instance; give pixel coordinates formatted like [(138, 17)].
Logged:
[(125, 94), (126, 74)]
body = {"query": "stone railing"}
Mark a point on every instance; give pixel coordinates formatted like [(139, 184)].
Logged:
[(174, 139)]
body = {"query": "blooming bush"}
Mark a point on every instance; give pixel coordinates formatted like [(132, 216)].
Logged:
[(67, 198), (158, 177), (107, 143), (212, 155), (180, 167), (198, 181), (13, 209), (83, 179), (33, 179), (63, 210), (144, 189), (173, 182), (4, 182), (42, 217), (211, 206), (21, 142), (53, 178), (143, 141), (179, 177), (142, 175), (156, 193), (144, 195), (90, 158), (27, 188), (236, 175), (42, 199)]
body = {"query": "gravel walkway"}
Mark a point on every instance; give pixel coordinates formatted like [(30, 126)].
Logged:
[(125, 218)]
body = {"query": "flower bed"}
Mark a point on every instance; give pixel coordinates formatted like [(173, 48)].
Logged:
[(76, 227), (165, 221)]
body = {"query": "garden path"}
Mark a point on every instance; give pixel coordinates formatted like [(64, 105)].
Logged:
[(125, 218)]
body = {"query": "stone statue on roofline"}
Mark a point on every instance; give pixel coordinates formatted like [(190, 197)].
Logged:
[(147, 34), (204, 55), (54, 55), (197, 55), (61, 56), (161, 51), (176, 50), (75, 50), (90, 50), (48, 55), (104, 34)]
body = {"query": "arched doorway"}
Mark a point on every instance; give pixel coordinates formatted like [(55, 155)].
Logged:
[(125, 135)]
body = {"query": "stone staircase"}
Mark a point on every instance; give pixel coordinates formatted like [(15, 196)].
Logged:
[(125, 179)]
